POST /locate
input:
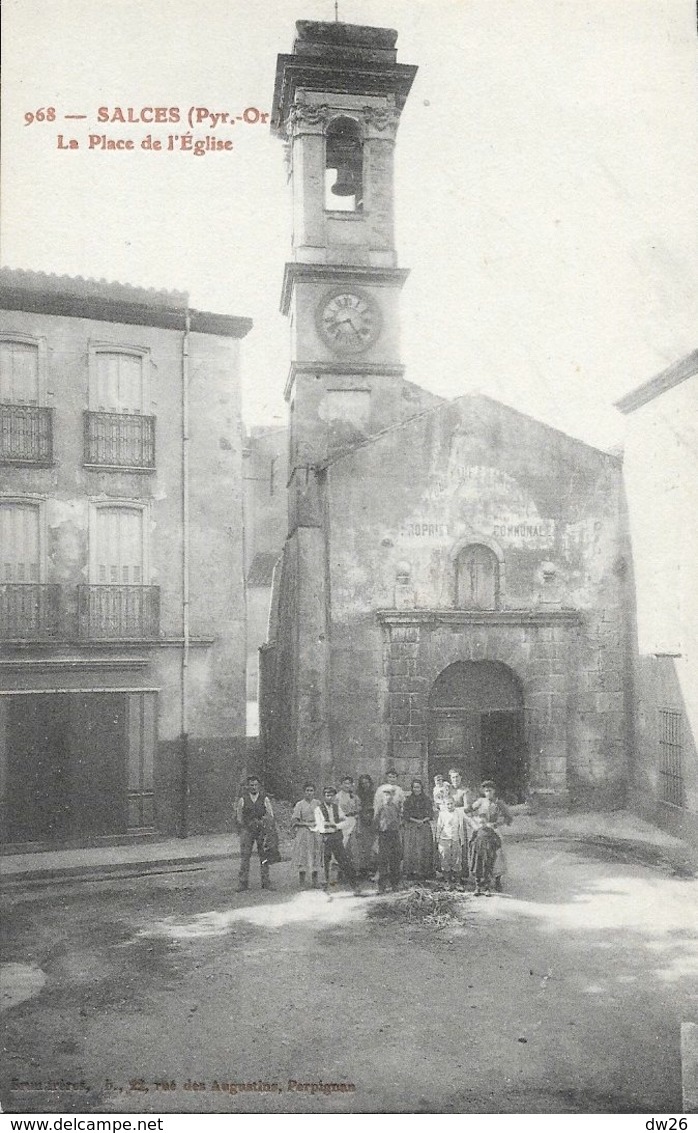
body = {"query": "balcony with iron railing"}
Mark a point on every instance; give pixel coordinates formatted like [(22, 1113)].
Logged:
[(119, 440), (29, 611), (118, 613), (26, 434)]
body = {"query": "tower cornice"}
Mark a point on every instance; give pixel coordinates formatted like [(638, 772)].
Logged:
[(338, 273), (352, 372), (343, 59)]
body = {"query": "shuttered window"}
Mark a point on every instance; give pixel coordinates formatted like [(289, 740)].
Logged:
[(118, 554), (119, 382), (19, 373), (19, 542)]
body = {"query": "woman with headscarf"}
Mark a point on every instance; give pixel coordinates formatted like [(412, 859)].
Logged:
[(418, 838), (363, 837)]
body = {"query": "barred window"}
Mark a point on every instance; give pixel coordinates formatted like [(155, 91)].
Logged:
[(671, 784)]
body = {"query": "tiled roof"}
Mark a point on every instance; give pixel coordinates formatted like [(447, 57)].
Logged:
[(79, 286), (77, 297)]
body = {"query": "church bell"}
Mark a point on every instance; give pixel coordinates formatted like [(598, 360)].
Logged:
[(344, 153), (345, 185)]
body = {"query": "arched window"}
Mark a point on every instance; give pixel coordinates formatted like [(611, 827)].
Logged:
[(344, 164), (477, 578)]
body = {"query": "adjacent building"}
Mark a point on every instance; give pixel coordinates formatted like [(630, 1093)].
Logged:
[(661, 481), (122, 610), (265, 475), (453, 586)]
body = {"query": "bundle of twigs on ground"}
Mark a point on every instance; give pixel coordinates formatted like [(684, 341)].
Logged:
[(421, 905)]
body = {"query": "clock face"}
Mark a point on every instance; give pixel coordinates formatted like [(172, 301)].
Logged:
[(348, 322)]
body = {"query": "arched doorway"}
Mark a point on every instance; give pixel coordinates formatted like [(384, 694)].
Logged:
[(476, 722)]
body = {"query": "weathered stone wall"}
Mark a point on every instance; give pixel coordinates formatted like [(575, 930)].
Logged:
[(661, 473), (659, 688), (294, 670), (265, 474), (537, 648), (399, 510), (278, 680)]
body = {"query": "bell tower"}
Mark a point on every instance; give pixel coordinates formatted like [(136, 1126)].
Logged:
[(337, 105)]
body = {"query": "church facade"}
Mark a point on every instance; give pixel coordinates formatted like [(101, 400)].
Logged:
[(453, 585)]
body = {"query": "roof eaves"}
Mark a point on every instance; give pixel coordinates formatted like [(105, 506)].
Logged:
[(686, 367)]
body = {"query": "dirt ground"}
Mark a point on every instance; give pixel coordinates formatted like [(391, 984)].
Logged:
[(154, 994)]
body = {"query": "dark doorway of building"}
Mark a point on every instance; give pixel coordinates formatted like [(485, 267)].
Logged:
[(66, 760), (476, 722)]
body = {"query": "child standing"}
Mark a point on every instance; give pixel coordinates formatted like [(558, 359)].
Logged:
[(386, 823), (450, 838), (439, 793), (487, 860), (484, 845)]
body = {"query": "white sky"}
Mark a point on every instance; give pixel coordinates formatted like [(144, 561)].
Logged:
[(547, 182)]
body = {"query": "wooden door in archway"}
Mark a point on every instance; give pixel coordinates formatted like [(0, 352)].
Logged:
[(476, 723)]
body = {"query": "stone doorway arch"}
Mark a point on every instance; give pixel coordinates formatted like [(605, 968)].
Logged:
[(476, 722)]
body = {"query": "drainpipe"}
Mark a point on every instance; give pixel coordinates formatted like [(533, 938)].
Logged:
[(184, 699)]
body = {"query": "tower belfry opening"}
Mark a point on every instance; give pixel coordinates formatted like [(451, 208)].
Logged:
[(343, 166)]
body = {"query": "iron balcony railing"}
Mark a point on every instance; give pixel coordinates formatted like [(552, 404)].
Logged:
[(26, 434), (119, 440), (118, 613), (29, 611)]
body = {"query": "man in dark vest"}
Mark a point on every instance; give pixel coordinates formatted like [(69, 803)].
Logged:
[(330, 821), (252, 809)]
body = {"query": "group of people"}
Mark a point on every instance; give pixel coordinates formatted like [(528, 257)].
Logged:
[(365, 831)]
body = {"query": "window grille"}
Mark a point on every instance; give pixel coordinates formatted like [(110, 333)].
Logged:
[(26, 434), (119, 440), (671, 783), (118, 612)]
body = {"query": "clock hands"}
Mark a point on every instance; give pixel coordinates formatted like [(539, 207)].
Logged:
[(348, 322), (338, 322)]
